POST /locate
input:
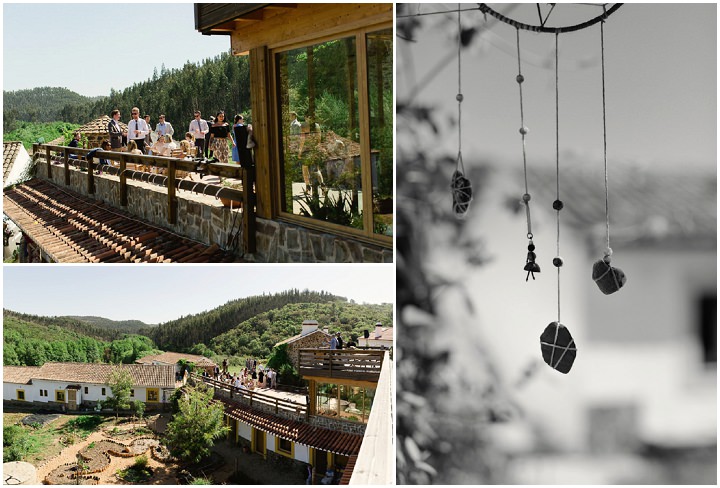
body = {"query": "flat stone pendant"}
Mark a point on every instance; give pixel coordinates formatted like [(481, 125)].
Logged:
[(461, 193), (558, 347), (608, 278)]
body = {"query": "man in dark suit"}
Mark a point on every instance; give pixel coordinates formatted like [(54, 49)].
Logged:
[(118, 137)]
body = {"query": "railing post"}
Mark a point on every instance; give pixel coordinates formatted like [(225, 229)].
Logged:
[(90, 177), (66, 164), (172, 201), (123, 180), (248, 216), (47, 160)]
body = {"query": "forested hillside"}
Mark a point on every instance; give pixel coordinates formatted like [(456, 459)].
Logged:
[(186, 332), (219, 83), (69, 324), (256, 336), (30, 343), (125, 326), (45, 104)]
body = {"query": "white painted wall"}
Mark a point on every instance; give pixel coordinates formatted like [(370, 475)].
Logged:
[(302, 453), (244, 431), (22, 161), (94, 394), (270, 442)]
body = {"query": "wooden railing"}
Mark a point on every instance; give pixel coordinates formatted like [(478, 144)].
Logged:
[(254, 397), (357, 364), (169, 180)]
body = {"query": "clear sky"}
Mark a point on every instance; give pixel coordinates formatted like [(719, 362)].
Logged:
[(155, 294), (92, 47), (661, 85)]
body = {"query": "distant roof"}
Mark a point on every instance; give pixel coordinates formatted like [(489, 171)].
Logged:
[(143, 374), (19, 374), (99, 126), (648, 206), (77, 229), (386, 334), (173, 358), (301, 336), (316, 437), (11, 150)]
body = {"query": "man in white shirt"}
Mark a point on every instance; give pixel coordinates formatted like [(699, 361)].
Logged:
[(198, 128), (138, 129), (164, 128)]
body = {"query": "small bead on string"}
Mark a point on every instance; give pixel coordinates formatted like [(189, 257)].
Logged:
[(460, 185)]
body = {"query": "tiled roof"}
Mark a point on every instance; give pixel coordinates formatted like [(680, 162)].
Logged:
[(648, 206), (99, 126), (173, 358), (318, 438), (19, 374), (11, 149), (74, 228), (347, 472), (301, 336), (386, 334), (143, 375)]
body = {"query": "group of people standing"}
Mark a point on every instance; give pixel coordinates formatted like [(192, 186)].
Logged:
[(249, 378), (213, 137)]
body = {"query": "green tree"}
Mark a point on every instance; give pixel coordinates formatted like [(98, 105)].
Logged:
[(192, 431), (120, 383), (138, 408)]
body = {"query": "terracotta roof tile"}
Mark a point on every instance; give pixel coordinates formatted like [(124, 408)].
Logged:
[(301, 336), (647, 206), (11, 149), (19, 374), (328, 440), (347, 472), (143, 375), (74, 228), (99, 126), (173, 358)]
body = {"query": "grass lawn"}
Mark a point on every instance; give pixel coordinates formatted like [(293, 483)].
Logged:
[(39, 444)]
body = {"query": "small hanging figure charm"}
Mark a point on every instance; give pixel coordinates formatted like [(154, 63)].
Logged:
[(461, 193), (530, 265), (558, 347), (608, 278)]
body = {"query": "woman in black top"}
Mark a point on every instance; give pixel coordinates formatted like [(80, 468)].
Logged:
[(219, 132), (241, 153)]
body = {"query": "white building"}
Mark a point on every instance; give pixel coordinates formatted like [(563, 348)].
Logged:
[(17, 165), (71, 385), (380, 337)]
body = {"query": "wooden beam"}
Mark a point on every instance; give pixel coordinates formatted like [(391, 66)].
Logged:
[(262, 120), (309, 22)]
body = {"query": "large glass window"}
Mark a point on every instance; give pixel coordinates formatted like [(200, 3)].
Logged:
[(326, 148), (352, 403), (380, 88)]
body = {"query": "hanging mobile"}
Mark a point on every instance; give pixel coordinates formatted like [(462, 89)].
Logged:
[(460, 185), (556, 343), (530, 265), (608, 278)]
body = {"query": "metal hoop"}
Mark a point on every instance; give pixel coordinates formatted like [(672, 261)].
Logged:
[(541, 28)]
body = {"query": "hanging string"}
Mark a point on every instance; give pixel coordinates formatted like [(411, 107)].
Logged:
[(608, 250), (460, 166), (523, 131), (558, 260)]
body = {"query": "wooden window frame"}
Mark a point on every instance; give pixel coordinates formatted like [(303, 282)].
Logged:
[(102, 392), (19, 392), (253, 444), (57, 396), (283, 452), (132, 393), (366, 234), (148, 391)]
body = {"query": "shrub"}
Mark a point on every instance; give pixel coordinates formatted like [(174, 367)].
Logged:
[(141, 462)]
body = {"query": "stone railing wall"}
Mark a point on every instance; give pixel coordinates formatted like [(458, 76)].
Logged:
[(335, 424), (207, 221)]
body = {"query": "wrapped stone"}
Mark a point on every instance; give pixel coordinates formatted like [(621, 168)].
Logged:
[(461, 193), (558, 347), (608, 278)]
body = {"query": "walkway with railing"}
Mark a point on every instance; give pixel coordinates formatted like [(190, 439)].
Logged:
[(272, 399), (172, 168)]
